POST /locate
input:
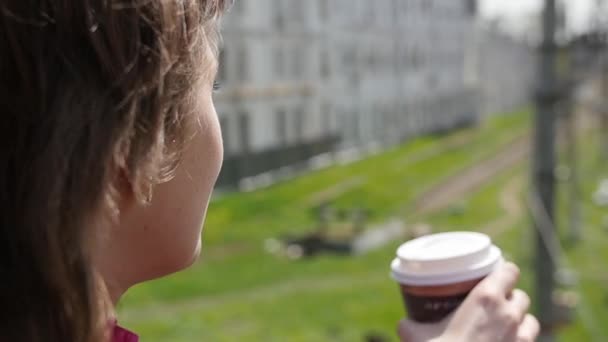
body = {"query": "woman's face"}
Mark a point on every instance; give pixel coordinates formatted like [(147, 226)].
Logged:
[(163, 237)]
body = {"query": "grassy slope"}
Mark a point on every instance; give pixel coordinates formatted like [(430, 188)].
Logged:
[(590, 256), (239, 291)]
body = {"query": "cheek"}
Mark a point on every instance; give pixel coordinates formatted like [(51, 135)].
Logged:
[(184, 200), (171, 225), (214, 142)]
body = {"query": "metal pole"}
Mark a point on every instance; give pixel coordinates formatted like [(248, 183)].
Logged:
[(574, 188), (570, 118), (543, 169), (604, 110), (599, 26)]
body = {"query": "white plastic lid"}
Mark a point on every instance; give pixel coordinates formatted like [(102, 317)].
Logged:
[(445, 258)]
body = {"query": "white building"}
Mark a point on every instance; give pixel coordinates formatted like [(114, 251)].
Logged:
[(305, 77), (506, 71)]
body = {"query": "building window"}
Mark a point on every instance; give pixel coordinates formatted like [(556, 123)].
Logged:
[(279, 61), (281, 126), (298, 62), (395, 10), (371, 59), (348, 57), (244, 132), (299, 124), (324, 65), (371, 11), (279, 16), (353, 125), (239, 7), (226, 135), (297, 11), (323, 10), (326, 119), (471, 7), (221, 71), (242, 66), (427, 5), (416, 58)]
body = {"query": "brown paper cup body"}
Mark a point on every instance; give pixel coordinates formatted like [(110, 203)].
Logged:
[(428, 304)]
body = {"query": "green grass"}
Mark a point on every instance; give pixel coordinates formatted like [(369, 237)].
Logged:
[(239, 292), (589, 256)]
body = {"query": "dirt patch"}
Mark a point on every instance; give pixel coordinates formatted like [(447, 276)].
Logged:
[(451, 143), (455, 187), (510, 202), (334, 191)]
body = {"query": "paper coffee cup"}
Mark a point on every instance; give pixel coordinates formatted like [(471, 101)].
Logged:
[(436, 272)]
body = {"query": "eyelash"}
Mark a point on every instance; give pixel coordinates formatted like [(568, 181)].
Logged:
[(216, 86)]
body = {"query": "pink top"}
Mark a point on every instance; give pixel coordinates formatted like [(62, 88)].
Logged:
[(120, 334)]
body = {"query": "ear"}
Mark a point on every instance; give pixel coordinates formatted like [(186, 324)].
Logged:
[(123, 195)]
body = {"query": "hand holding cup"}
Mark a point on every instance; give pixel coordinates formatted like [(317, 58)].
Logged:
[(457, 287)]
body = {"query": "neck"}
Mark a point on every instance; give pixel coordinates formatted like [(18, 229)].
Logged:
[(108, 295), (114, 293)]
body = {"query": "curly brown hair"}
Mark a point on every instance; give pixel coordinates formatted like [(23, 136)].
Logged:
[(91, 92)]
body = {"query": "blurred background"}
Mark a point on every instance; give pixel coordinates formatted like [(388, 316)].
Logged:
[(351, 126)]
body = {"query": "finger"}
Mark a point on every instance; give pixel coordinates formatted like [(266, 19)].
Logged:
[(528, 330), (403, 330), (408, 330), (502, 279), (412, 331), (519, 302)]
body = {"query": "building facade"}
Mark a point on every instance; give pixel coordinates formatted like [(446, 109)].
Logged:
[(301, 78), (506, 71)]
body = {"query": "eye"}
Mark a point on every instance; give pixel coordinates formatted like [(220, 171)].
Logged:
[(216, 86)]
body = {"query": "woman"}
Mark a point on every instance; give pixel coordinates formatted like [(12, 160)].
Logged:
[(110, 150)]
